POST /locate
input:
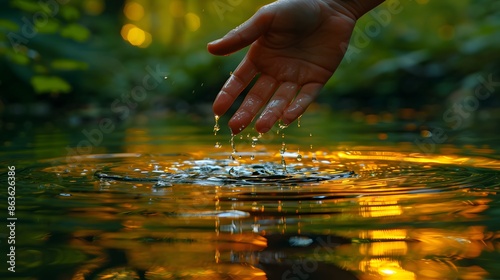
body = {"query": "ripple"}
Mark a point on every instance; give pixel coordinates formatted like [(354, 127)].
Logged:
[(376, 209), (346, 174)]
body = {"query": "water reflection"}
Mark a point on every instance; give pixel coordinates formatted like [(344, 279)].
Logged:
[(358, 214)]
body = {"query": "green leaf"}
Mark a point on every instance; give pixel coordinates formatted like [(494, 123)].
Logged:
[(18, 58), (76, 32), (70, 13), (68, 64), (50, 84), (8, 25), (51, 26), (26, 5)]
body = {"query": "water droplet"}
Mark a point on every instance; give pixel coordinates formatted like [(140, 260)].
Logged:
[(216, 125), (165, 77), (314, 159), (254, 141), (298, 121), (299, 157), (283, 148), (283, 164), (201, 84), (252, 157), (230, 72), (233, 148), (218, 145)]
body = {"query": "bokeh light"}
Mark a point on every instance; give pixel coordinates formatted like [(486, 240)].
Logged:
[(136, 36), (133, 11), (192, 21)]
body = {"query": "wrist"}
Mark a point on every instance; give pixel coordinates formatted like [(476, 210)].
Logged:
[(353, 8)]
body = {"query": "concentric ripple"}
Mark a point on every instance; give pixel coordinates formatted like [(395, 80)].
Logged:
[(216, 172), (270, 179), (366, 212), (349, 173)]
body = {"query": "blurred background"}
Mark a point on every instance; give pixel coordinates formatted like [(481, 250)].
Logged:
[(78, 60)]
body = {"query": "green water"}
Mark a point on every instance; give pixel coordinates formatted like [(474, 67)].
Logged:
[(167, 199)]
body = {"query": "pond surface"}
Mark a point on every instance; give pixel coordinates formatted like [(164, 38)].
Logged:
[(167, 200)]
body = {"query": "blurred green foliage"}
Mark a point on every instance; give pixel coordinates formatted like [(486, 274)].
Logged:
[(419, 56), (31, 44), (425, 53)]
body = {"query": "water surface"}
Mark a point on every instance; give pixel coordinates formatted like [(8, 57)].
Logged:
[(162, 202)]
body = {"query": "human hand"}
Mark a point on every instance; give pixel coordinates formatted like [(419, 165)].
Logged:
[(295, 48)]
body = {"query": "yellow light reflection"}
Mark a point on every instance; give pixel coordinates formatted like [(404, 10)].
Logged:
[(390, 248), (380, 207), (387, 269), (192, 21), (136, 36), (125, 29), (389, 234), (133, 11)]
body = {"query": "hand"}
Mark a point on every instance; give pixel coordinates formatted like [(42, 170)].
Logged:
[(296, 46)]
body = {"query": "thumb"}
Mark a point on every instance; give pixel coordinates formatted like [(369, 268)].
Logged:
[(243, 35)]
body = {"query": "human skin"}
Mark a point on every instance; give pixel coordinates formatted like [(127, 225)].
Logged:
[(294, 50)]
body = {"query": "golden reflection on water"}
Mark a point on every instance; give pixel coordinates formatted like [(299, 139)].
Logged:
[(379, 207), (386, 269), (406, 216)]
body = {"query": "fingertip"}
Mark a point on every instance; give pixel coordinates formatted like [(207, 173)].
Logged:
[(214, 42), (222, 103), (265, 123), (239, 121), (290, 116), (214, 47), (262, 128), (218, 109), (235, 127)]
